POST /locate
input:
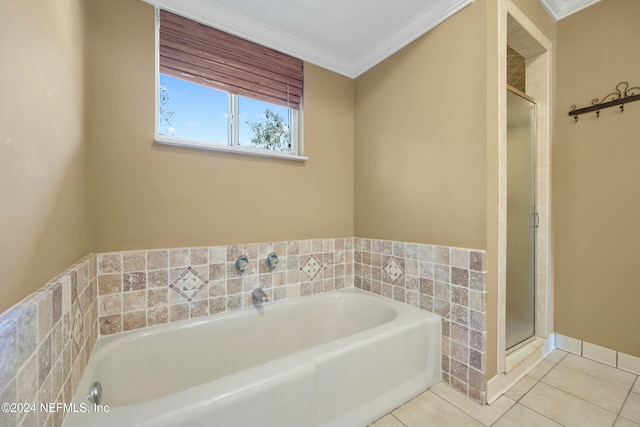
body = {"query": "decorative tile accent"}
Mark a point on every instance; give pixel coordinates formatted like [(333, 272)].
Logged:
[(189, 284), (393, 270), (311, 267)]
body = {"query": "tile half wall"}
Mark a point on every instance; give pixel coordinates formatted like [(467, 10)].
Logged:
[(145, 288), (45, 343), (447, 281), (48, 337)]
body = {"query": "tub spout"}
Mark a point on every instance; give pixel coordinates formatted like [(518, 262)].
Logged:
[(259, 296)]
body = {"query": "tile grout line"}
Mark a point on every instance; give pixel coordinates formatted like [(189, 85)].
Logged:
[(538, 381), (528, 391), (600, 363), (399, 420), (562, 358), (481, 406), (533, 410), (502, 416), (578, 397), (597, 379), (617, 418), (546, 373), (625, 400), (398, 407)]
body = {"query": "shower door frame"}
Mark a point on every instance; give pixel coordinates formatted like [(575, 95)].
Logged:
[(533, 225), (516, 29)]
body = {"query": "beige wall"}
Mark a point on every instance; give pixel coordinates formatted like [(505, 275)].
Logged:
[(426, 141), (424, 168), (44, 199), (595, 180), (420, 138), (147, 196), (426, 151)]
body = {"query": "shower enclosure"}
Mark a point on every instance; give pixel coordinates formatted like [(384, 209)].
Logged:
[(522, 218)]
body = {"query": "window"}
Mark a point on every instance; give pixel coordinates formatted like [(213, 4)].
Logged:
[(217, 91)]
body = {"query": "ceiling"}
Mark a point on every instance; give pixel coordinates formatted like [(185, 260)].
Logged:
[(345, 36)]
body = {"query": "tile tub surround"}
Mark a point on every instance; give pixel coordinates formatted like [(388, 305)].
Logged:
[(48, 337), (143, 288), (45, 343), (443, 280)]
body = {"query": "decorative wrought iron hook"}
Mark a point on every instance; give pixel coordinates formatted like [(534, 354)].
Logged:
[(622, 95)]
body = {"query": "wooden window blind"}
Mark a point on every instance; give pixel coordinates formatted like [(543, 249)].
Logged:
[(200, 54)]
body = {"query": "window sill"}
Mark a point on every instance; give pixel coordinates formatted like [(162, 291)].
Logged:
[(189, 143)]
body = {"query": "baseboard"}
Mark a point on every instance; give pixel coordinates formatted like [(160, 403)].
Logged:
[(610, 357), (499, 384)]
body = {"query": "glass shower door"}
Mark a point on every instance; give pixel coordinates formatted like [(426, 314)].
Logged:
[(521, 219)]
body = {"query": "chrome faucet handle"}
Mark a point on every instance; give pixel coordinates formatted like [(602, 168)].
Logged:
[(242, 263), (272, 261)]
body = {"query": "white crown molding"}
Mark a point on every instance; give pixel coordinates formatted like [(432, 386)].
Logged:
[(559, 9), (248, 28), (431, 16)]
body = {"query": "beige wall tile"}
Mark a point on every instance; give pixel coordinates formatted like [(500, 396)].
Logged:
[(111, 324), (109, 284), (157, 260), (134, 301), (134, 320), (134, 261)]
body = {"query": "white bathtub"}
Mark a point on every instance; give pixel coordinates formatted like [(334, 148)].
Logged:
[(343, 358)]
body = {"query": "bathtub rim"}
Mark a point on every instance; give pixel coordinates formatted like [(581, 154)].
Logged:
[(406, 317), (105, 342)]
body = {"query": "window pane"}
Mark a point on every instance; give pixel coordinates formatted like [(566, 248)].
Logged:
[(189, 110), (264, 125)]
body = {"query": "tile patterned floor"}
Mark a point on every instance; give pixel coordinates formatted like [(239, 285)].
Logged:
[(562, 390)]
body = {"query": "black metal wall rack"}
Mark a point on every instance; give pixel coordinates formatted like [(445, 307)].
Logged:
[(622, 95)]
